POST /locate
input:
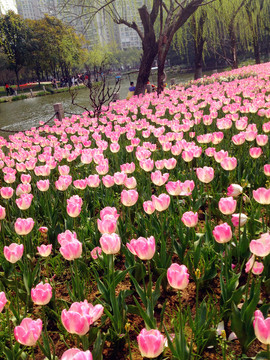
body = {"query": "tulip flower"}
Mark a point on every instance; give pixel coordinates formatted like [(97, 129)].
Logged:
[(2, 212), (151, 343), (262, 196), (261, 247), (205, 174), (142, 247), (190, 219), (178, 276), (129, 197), (80, 316), (13, 252), (41, 294), (3, 300), (227, 205), (44, 250), (28, 332), (234, 190), (24, 226), (222, 233), (110, 243), (239, 218), (261, 327), (161, 202), (76, 354)]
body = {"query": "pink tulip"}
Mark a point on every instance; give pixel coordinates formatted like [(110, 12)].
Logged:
[(130, 183), (120, 178), (23, 189), (159, 179), (239, 217), (6, 192), (222, 233), (108, 181), (96, 252), (2, 212), (174, 188), (43, 185), (262, 140), (190, 219), (129, 197), (266, 169), (234, 190), (205, 174), (148, 207), (28, 332), (178, 276), (261, 247), (147, 165), (13, 252), (44, 250), (170, 164), (257, 268), (80, 184), (26, 178), (255, 152), (43, 229), (151, 343), (229, 163), (24, 202), (80, 316), (76, 354), (220, 155), (41, 294), (142, 247), (261, 327), (108, 225), (227, 205), (64, 169), (262, 196), (3, 300), (74, 206), (109, 211), (114, 148), (71, 250), (128, 168), (24, 226), (63, 182), (159, 164), (110, 243), (161, 202)]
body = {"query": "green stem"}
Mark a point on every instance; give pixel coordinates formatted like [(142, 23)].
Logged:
[(9, 331), (268, 352)]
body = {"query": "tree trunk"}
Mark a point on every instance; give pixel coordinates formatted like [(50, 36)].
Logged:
[(256, 47), (198, 58), (17, 77), (233, 47), (150, 50)]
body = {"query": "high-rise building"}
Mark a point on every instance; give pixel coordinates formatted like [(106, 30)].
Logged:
[(6, 5), (100, 30), (29, 9)]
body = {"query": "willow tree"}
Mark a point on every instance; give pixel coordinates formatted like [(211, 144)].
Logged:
[(155, 22), (257, 20)]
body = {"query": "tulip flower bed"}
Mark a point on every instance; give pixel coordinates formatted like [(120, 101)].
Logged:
[(144, 233)]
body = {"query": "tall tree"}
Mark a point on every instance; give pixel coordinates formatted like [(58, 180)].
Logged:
[(156, 24), (13, 40)]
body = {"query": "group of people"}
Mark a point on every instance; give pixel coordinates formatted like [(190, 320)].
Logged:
[(9, 89), (149, 88)]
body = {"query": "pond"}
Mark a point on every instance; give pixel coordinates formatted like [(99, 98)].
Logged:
[(23, 114)]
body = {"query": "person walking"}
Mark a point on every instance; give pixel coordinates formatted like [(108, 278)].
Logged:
[(7, 87)]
